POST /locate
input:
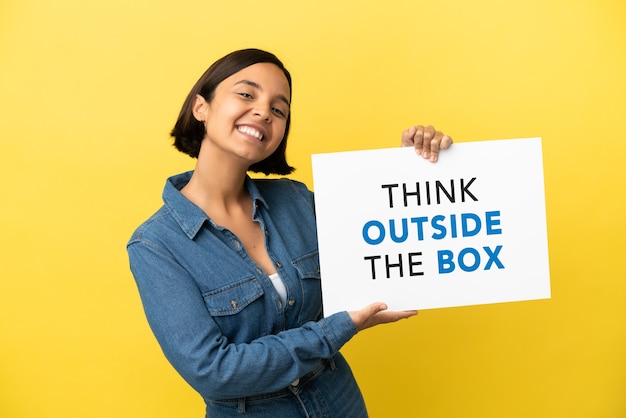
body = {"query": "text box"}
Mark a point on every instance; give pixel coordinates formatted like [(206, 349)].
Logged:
[(469, 229)]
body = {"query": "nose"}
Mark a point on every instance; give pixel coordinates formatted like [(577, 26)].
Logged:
[(263, 111)]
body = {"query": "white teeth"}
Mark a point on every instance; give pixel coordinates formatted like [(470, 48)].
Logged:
[(251, 131)]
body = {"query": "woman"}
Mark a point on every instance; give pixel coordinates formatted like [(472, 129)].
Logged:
[(228, 268)]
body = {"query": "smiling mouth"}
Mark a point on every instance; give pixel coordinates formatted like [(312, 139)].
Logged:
[(250, 131)]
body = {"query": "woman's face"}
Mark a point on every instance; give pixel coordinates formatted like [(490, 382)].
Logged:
[(247, 116)]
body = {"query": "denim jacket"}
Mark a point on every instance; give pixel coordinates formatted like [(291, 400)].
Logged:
[(215, 312)]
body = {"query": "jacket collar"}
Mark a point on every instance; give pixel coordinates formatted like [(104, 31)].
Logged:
[(190, 217)]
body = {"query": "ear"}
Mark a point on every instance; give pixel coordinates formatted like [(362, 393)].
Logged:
[(199, 108)]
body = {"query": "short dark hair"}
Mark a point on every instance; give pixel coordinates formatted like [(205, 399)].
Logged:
[(188, 132)]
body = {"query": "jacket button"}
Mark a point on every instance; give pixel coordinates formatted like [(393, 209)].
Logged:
[(292, 302), (278, 264), (295, 382), (234, 303)]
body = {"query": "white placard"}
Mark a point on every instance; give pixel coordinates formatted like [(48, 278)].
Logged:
[(467, 230)]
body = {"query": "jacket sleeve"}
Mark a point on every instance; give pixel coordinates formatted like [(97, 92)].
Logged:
[(192, 342)]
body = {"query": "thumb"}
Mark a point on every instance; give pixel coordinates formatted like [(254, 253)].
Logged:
[(376, 307)]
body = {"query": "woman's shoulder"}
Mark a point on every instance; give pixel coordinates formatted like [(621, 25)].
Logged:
[(151, 228), (282, 190), (282, 185)]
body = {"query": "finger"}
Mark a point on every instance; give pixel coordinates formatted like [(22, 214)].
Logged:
[(439, 142), (446, 141), (418, 139), (407, 137), (434, 146), (393, 316), (368, 316), (398, 315), (429, 134), (375, 308)]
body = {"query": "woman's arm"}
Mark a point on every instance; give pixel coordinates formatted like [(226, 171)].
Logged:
[(193, 343)]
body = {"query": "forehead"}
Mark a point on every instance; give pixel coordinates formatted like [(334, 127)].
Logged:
[(266, 75)]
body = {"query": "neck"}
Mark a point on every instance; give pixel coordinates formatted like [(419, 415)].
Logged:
[(217, 184)]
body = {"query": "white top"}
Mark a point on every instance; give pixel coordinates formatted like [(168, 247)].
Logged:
[(279, 286)]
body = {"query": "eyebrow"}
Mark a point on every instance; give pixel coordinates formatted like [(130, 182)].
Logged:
[(258, 86)]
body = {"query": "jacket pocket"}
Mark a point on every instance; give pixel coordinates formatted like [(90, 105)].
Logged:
[(238, 309), (232, 299), (308, 268)]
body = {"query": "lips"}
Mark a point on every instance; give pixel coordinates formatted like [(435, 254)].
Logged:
[(248, 130)]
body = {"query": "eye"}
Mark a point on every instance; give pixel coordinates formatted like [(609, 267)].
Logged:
[(245, 95), (279, 112)]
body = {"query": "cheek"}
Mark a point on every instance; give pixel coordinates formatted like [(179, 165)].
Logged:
[(279, 130), (278, 140), (276, 144)]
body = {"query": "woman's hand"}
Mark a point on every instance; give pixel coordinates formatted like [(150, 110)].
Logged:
[(376, 314), (426, 140)]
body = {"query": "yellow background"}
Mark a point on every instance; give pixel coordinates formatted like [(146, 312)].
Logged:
[(90, 90)]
